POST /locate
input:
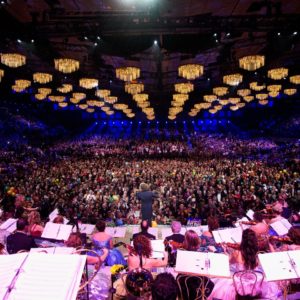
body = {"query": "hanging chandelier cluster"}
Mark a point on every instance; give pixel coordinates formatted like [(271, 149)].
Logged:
[(190, 71), (255, 87), (65, 88), (278, 74), (128, 74), (21, 85), (134, 88), (42, 77), (252, 62), (88, 83), (66, 65), (111, 99), (220, 91), (102, 93), (13, 60), (184, 88), (290, 92), (210, 98), (295, 79), (243, 92)]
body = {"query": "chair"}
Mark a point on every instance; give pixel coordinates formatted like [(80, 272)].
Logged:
[(248, 284), (194, 287)]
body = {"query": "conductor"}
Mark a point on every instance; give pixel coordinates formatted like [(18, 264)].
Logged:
[(146, 197)]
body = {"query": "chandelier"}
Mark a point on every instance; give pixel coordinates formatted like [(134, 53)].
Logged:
[(91, 102), (127, 110), (210, 98), (190, 71), (218, 107), (243, 92), (42, 77), (176, 103), (234, 100), (224, 101), (88, 83), (134, 88), (110, 112), (111, 99), (254, 86), (234, 108), (131, 115), (273, 94), (261, 96), (83, 106), (180, 97), (143, 104), (213, 110), (206, 105), (63, 104), (150, 118), (66, 65), (184, 88), (90, 110), (140, 97), (274, 88), (79, 96), (56, 98), (65, 88), (99, 103), (105, 108), (295, 79), (17, 89), (171, 117), (13, 60), (252, 62), (44, 91), (220, 91), (148, 110), (248, 98), (233, 79), (102, 93), (40, 96), (175, 110), (277, 74), (120, 106), (240, 105), (74, 100), (22, 83), (128, 73), (263, 102), (1, 74), (290, 92)]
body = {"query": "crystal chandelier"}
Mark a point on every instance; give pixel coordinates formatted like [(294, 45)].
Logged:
[(273, 94), (79, 96), (190, 71), (84, 106), (254, 86), (134, 88), (90, 110), (295, 79), (252, 62), (234, 108), (234, 100), (205, 105), (99, 103), (278, 74), (243, 92), (56, 98), (240, 105), (210, 98), (91, 102), (263, 102), (110, 112), (120, 106), (102, 93), (1, 74), (261, 96), (274, 88), (127, 111), (180, 97), (140, 97), (17, 89), (290, 92), (66, 65), (233, 79), (218, 107), (248, 98), (65, 88), (88, 83), (22, 83), (171, 117), (74, 100), (176, 103), (131, 115), (13, 60), (220, 91), (40, 96), (184, 88), (224, 101), (128, 74), (45, 91), (105, 108), (111, 99), (42, 77), (63, 104)]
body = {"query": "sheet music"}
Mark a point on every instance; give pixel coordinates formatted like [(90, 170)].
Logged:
[(54, 214), (57, 231), (229, 235), (9, 265), (278, 265), (9, 225), (116, 232), (49, 277), (281, 227), (250, 214), (158, 248), (202, 263), (53, 250), (85, 228)]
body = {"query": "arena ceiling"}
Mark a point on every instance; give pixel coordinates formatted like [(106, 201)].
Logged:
[(156, 36)]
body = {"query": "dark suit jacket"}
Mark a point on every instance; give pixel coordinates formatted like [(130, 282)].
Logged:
[(146, 198), (146, 234), (176, 237), (19, 241)]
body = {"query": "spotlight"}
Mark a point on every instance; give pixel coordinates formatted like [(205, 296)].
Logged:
[(96, 123), (295, 33), (208, 79), (140, 122), (113, 123), (19, 41), (98, 37), (85, 38), (95, 44), (157, 122), (131, 122), (104, 123), (166, 122), (155, 42), (122, 122), (217, 41), (228, 34), (215, 34), (193, 122), (32, 41), (148, 122), (278, 33)]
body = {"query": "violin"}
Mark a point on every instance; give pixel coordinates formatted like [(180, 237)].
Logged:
[(173, 245), (248, 222), (230, 245)]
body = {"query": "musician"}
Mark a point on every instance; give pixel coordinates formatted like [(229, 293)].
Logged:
[(176, 236), (20, 240), (142, 253), (35, 228), (261, 230), (146, 197), (191, 241), (144, 231), (277, 209)]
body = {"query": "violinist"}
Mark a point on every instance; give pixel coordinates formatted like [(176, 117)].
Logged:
[(277, 210), (261, 230), (176, 236), (290, 242)]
